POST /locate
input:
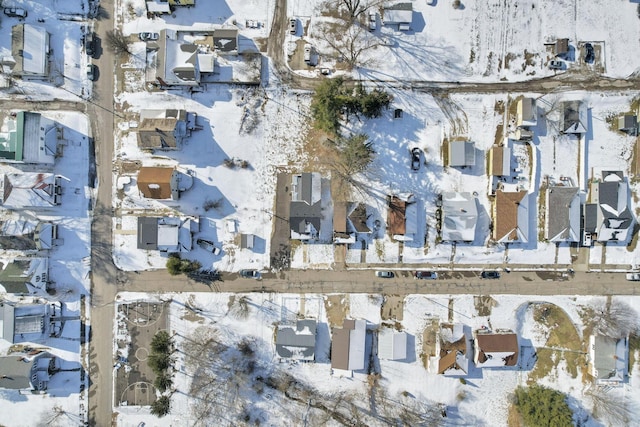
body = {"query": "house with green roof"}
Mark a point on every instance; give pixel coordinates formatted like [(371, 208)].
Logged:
[(31, 138)]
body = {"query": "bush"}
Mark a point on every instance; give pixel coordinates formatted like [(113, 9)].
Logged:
[(542, 406), (159, 362), (163, 381), (357, 152), (173, 265), (161, 407), (161, 342)]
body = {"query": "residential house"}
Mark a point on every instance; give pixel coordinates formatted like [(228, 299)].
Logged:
[(31, 138), (392, 345), (561, 47), (305, 209), (615, 217), (174, 62), (29, 322), (161, 7), (27, 371), (609, 360), (462, 154), (495, 350), (225, 40), (23, 232), (400, 14), (298, 343), (500, 160), (563, 214), (574, 117), (165, 129), (348, 345), (163, 183), (359, 217), (402, 217), (459, 217), (167, 234), (455, 350), (511, 217), (628, 123), (30, 50), (29, 190), (526, 112), (24, 275)]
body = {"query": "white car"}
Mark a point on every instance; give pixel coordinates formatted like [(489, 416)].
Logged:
[(148, 36), (634, 277), (307, 52), (385, 274), (372, 21)]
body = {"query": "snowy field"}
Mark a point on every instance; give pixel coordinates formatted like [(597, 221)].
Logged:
[(407, 383)]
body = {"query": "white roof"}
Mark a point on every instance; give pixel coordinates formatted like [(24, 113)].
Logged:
[(459, 216), (29, 189), (35, 46), (357, 338), (392, 345)]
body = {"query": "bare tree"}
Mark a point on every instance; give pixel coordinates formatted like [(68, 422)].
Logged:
[(351, 43), (355, 8), (615, 407), (614, 319), (117, 42)]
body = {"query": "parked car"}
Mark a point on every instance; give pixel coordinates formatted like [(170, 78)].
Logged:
[(307, 52), (90, 44), (208, 246), (385, 274), (590, 54), (148, 36), (293, 26), (372, 21), (426, 275), (634, 277), (91, 72), (416, 158), (250, 274), (555, 64), (490, 275), (15, 12)]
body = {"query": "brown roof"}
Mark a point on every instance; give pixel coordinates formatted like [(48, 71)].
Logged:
[(340, 217), (340, 344), (359, 218), (498, 343), (505, 221), (157, 133), (155, 182), (496, 156), (447, 361), (396, 216)]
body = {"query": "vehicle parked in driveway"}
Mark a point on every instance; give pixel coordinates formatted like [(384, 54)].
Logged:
[(208, 246), (426, 275), (293, 26), (250, 274), (416, 158), (385, 274), (90, 43), (372, 21), (555, 64), (590, 54), (145, 37), (91, 72), (15, 12), (307, 52), (634, 277), (490, 275)]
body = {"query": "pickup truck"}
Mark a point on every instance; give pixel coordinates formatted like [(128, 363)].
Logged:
[(634, 277), (208, 246)]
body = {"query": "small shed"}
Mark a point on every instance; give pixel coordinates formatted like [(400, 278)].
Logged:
[(462, 153), (246, 241), (500, 161), (561, 47), (628, 123), (400, 14)]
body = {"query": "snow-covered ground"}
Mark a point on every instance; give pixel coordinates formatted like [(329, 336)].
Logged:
[(466, 403)]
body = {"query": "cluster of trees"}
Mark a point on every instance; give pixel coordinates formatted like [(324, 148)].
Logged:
[(160, 361), (177, 265), (542, 406), (333, 99)]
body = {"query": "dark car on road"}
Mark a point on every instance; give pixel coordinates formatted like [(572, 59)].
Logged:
[(250, 274), (426, 275), (490, 275), (416, 158), (590, 54)]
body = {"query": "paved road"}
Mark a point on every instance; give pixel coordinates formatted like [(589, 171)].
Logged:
[(104, 272)]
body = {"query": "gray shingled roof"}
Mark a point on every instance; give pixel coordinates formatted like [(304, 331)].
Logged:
[(302, 338)]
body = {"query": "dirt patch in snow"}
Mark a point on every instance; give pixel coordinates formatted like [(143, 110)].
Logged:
[(392, 307), (337, 307)]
